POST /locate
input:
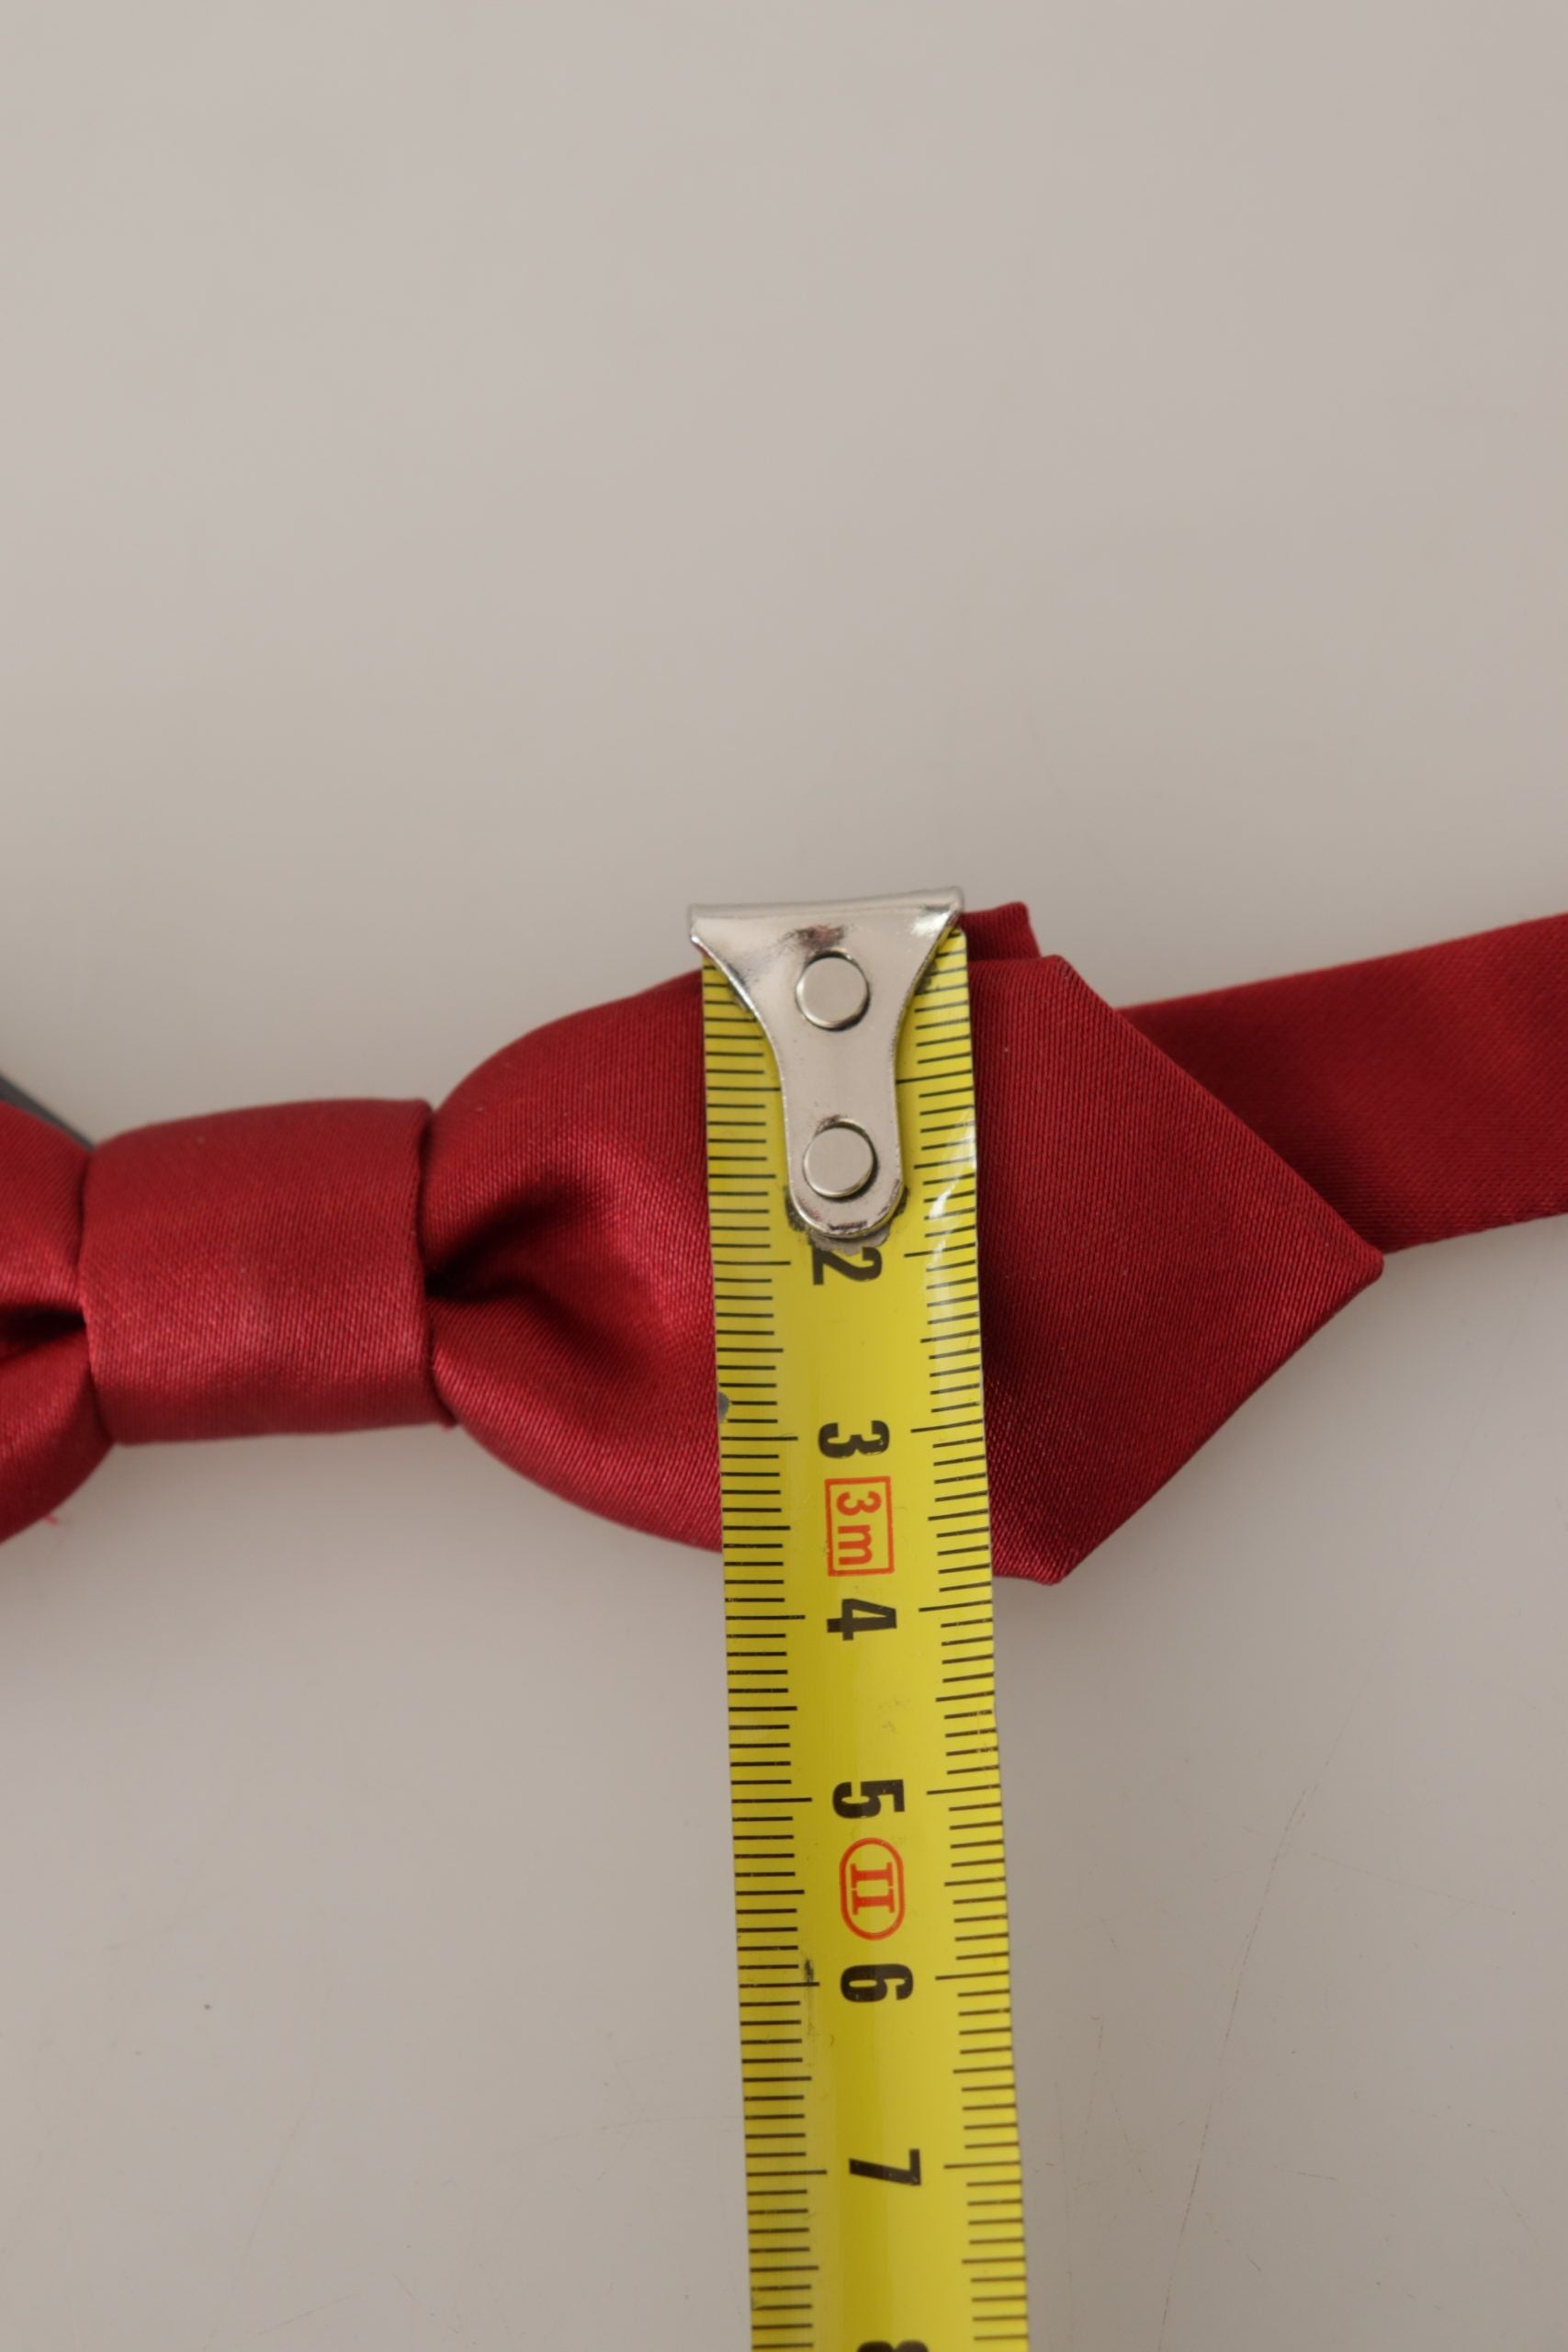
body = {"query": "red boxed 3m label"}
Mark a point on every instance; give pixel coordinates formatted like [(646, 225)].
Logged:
[(860, 1527)]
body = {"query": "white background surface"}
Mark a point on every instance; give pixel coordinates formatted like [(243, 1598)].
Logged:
[(472, 480)]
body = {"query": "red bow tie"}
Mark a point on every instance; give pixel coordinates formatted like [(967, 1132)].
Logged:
[(1172, 1200)]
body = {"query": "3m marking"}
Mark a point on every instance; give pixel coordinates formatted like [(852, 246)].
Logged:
[(860, 1526)]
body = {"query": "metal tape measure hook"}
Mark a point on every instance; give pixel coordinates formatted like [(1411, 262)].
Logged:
[(830, 983)]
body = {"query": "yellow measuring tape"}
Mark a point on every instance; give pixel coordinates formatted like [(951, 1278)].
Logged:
[(884, 2185)]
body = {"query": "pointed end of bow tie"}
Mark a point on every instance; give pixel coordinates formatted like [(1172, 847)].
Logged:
[(1146, 1263)]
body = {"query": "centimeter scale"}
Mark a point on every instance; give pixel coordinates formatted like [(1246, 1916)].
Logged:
[(884, 2185)]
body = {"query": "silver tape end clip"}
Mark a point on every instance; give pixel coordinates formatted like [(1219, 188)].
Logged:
[(830, 984)]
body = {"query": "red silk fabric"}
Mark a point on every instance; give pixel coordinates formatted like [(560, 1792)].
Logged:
[(1172, 1200)]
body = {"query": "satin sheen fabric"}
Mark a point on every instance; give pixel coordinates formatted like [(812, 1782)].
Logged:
[(1172, 1199)]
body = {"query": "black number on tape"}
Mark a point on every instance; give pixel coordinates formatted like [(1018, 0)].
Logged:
[(906, 2175), (873, 1981), (867, 1271), (862, 1617), (848, 1807), (830, 1443)]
